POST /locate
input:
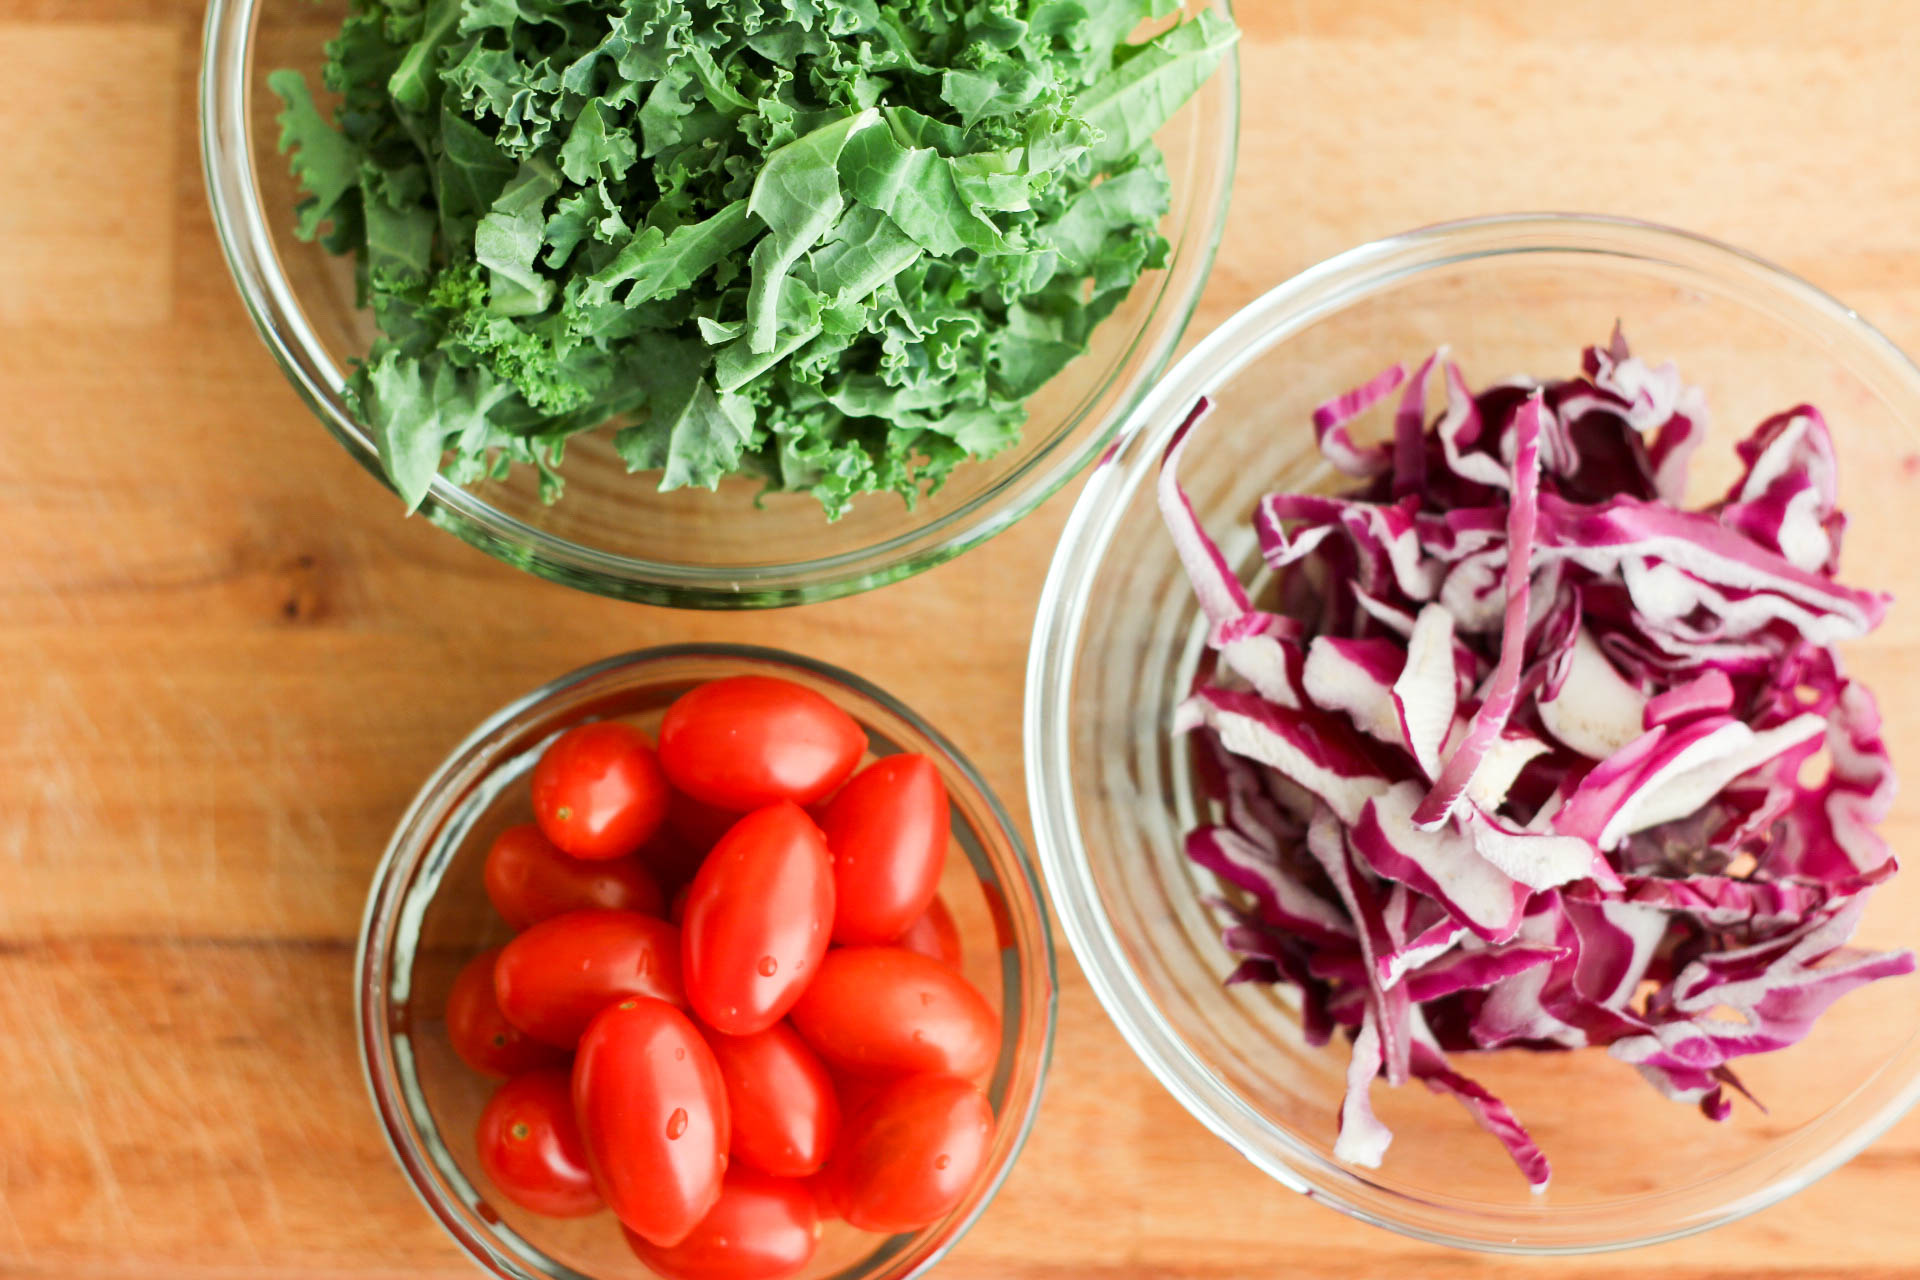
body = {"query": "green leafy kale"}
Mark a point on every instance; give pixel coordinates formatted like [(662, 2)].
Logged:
[(833, 243)]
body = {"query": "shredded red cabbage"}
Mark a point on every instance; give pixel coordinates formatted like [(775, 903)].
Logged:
[(1515, 759)]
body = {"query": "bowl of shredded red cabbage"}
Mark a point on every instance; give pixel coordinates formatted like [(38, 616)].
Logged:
[(1516, 746)]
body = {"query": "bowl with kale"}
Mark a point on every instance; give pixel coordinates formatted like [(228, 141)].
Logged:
[(720, 303)]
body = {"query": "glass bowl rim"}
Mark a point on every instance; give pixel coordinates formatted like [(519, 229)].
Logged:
[(228, 168), (382, 917), (1288, 308)]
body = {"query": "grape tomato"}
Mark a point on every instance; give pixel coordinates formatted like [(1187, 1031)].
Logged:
[(552, 979), (757, 920), (481, 1034), (780, 1100), (528, 879), (530, 1146), (761, 1228), (747, 741), (909, 1156), (653, 1113), (888, 829), (598, 791), (887, 1010)]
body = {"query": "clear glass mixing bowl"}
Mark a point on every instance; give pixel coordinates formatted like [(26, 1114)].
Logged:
[(1117, 640), (611, 533), (428, 914)]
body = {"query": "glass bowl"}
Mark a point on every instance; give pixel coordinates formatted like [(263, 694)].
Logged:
[(611, 533), (428, 914), (1117, 641)]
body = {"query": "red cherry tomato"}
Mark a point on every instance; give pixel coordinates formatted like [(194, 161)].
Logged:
[(481, 1034), (528, 880), (910, 1156), (598, 791), (757, 920), (552, 979), (888, 830), (747, 741), (780, 1099), (530, 1146), (700, 825), (654, 1115), (889, 1011), (934, 934), (761, 1228)]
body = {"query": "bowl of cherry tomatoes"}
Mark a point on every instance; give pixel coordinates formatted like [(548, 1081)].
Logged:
[(706, 963)]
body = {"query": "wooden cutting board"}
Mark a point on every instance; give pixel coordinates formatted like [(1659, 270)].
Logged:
[(225, 661)]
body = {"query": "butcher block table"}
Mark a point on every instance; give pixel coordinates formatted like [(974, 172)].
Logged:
[(226, 661)]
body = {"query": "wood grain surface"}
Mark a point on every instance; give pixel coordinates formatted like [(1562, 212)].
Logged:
[(225, 661)]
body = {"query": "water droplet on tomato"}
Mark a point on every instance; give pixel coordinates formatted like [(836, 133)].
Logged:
[(942, 1161), (676, 1123), (768, 966), (926, 997), (679, 1055), (919, 1037)]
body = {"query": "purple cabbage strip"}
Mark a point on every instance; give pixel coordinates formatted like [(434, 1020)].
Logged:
[(1254, 643), (1684, 555), (1410, 433), (1709, 693), (1431, 1069), (1363, 1138), (1280, 898), (1330, 425), (1388, 1004), (1510, 754), (1476, 970), (1442, 865), (1504, 689)]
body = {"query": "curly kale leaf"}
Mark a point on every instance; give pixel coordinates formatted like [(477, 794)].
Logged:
[(834, 244)]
